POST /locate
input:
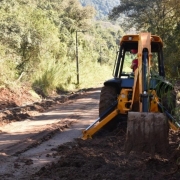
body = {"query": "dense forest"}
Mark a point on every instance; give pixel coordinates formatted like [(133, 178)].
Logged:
[(42, 39), (160, 17), (103, 7), (39, 43)]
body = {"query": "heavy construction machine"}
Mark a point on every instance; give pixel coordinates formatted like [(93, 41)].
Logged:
[(144, 98)]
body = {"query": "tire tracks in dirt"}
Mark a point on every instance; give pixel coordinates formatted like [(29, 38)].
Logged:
[(23, 154)]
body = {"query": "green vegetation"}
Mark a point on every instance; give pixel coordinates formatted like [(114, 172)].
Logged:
[(38, 45), (103, 7), (160, 17), (38, 39)]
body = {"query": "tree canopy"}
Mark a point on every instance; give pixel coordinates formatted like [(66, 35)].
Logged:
[(38, 44), (103, 7), (160, 17)]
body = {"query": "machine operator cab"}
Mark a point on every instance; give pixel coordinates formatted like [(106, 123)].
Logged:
[(129, 51)]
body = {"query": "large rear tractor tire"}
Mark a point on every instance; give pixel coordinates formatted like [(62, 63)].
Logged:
[(108, 96)]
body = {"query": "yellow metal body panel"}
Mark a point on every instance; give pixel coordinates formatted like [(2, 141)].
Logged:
[(154, 102), (132, 37), (122, 108), (123, 102)]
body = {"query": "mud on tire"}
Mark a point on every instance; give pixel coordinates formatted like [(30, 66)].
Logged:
[(107, 97)]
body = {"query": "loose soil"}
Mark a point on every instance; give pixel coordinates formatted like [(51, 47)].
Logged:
[(102, 157)]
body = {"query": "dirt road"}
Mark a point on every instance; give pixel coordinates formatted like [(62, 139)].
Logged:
[(46, 146), (26, 146)]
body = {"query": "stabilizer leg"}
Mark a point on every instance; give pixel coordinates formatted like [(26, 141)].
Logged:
[(97, 125)]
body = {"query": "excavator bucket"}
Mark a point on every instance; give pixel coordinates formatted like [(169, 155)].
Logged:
[(147, 132)]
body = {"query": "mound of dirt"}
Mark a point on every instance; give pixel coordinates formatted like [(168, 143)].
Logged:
[(20, 97), (24, 102), (12, 104), (104, 158)]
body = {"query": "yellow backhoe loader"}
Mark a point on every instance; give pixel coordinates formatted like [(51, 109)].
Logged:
[(144, 98)]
